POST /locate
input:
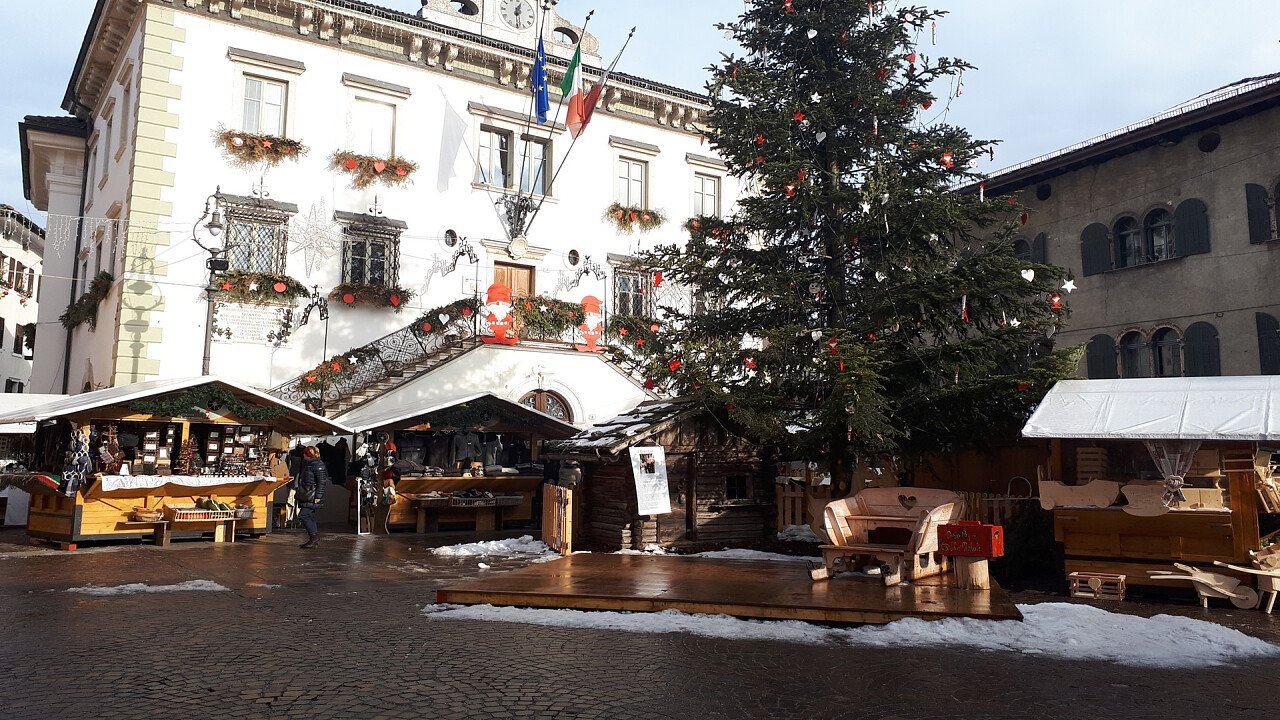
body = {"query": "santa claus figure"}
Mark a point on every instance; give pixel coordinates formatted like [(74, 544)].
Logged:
[(592, 326), (500, 318)]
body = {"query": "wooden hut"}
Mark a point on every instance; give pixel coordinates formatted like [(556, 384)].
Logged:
[(720, 484), (472, 462), (1117, 444), (162, 458)]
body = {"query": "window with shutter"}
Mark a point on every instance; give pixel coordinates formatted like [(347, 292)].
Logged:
[(1268, 343), (1040, 249), (1200, 346), (1095, 250), (1135, 356), (1130, 250), (1191, 227), (1100, 358), (1157, 232), (1259, 210), (1166, 353), (1022, 249)]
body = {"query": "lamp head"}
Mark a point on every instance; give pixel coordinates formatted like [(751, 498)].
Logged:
[(215, 225)]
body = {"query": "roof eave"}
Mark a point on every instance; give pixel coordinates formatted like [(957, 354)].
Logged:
[(70, 101)]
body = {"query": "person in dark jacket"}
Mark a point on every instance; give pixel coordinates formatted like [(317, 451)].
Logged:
[(312, 484)]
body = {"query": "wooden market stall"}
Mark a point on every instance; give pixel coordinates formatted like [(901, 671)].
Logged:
[(17, 446), (162, 458), (471, 462), (1146, 473), (721, 485)]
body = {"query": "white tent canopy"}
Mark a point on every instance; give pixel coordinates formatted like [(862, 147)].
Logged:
[(365, 418), (17, 402), (1197, 408)]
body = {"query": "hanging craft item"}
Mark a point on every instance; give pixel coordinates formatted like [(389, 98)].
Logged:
[(592, 327), (1055, 301), (252, 148), (964, 305), (499, 316), (388, 296), (366, 170), (629, 219)]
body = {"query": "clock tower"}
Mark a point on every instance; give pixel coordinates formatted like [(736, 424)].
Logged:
[(515, 21)]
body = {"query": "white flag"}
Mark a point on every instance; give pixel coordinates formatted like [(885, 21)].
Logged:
[(452, 135)]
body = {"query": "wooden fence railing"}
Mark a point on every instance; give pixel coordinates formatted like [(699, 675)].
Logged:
[(794, 498), (557, 518), (995, 509)]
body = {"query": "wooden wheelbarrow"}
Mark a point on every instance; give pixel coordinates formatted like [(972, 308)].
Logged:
[(1268, 582), (1209, 585)]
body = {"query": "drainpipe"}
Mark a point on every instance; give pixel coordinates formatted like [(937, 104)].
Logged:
[(75, 257)]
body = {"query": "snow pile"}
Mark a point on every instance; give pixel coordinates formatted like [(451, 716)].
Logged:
[(799, 533), (649, 549), (135, 588), (1060, 630), (743, 554), (522, 547)]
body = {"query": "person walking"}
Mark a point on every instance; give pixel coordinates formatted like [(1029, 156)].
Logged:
[(312, 484)]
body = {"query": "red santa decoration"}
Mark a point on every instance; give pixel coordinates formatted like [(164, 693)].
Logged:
[(499, 316), (592, 326)]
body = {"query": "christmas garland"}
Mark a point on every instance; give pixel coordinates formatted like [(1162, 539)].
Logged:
[(629, 219), (366, 169), (336, 369), (196, 402), (438, 321), (544, 318), (353, 294), (85, 307), (251, 148), (252, 288)]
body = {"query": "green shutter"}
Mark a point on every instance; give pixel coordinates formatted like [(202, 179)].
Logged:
[(1191, 228), (1100, 358), (1200, 352), (1255, 197), (1040, 249), (1095, 250), (1268, 343)]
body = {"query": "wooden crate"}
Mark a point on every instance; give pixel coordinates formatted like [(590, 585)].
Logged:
[(1097, 586), (1090, 463)]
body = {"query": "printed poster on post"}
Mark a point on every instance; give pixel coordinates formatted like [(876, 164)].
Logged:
[(649, 465)]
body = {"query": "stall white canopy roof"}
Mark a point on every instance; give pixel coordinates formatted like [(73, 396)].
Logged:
[(16, 402), (297, 418), (1199, 408), (382, 416)]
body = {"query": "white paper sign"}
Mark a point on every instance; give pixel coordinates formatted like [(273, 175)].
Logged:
[(649, 466)]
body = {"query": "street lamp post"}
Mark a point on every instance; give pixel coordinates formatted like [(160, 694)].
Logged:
[(217, 263)]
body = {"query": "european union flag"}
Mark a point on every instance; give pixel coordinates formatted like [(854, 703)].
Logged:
[(541, 99)]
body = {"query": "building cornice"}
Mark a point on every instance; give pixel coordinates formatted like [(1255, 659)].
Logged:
[(384, 33)]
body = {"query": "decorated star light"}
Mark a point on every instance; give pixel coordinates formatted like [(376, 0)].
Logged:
[(1069, 285), (315, 236)]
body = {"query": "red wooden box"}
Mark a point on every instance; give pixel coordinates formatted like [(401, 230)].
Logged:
[(971, 538)]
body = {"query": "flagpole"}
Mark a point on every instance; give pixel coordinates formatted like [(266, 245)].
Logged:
[(560, 166), (559, 106)]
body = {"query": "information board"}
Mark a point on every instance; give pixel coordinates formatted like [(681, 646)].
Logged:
[(649, 466)]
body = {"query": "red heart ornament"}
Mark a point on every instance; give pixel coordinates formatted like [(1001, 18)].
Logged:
[(926, 104), (674, 365), (348, 298), (350, 164), (649, 384), (426, 327), (401, 171), (395, 300), (379, 166), (466, 312)]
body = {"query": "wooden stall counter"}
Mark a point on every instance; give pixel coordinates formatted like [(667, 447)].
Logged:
[(424, 502)]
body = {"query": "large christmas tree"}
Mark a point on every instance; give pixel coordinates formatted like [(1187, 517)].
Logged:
[(863, 307)]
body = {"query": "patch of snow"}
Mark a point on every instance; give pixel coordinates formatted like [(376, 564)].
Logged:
[(743, 554), (135, 588), (266, 586), (524, 546), (649, 549), (482, 566), (1061, 630), (799, 533)]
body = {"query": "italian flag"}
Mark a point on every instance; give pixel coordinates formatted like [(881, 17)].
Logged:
[(578, 115)]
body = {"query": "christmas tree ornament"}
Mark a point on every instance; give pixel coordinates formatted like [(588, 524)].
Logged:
[(801, 174), (653, 328), (253, 287), (982, 191), (649, 384), (1029, 275), (881, 277), (759, 139), (820, 137), (280, 287), (964, 305), (948, 160), (237, 141), (750, 362), (1023, 387), (1014, 322), (933, 31), (1055, 301), (466, 312), (1024, 217), (789, 190), (267, 143), (812, 33), (816, 335), (798, 116), (1069, 285), (674, 365), (925, 106)]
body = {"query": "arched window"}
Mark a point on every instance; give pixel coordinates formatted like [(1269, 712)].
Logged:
[(1166, 351), (1128, 237), (547, 402), (1158, 234), (1100, 358), (565, 36), (464, 7), (1022, 249), (1135, 356)]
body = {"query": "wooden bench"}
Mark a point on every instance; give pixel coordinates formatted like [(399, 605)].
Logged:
[(896, 528), (159, 530)]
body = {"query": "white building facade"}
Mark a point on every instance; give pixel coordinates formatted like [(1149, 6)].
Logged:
[(432, 108), (21, 248)]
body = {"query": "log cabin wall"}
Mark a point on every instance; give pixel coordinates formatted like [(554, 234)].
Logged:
[(732, 498)]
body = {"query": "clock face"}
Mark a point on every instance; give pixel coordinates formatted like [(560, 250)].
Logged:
[(517, 13)]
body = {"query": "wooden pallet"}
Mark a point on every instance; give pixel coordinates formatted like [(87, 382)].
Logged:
[(1097, 586)]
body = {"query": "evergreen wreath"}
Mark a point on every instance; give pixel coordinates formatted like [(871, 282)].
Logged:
[(365, 170), (196, 403), (252, 148), (628, 219), (85, 308)]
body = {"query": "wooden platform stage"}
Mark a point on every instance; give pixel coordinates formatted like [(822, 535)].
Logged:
[(767, 589)]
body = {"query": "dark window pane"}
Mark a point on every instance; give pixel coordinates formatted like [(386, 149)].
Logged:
[(1135, 357), (1166, 348)]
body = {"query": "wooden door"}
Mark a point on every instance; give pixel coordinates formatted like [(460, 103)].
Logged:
[(517, 277), (674, 526)]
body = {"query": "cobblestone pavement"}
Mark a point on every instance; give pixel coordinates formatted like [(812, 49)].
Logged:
[(338, 633)]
